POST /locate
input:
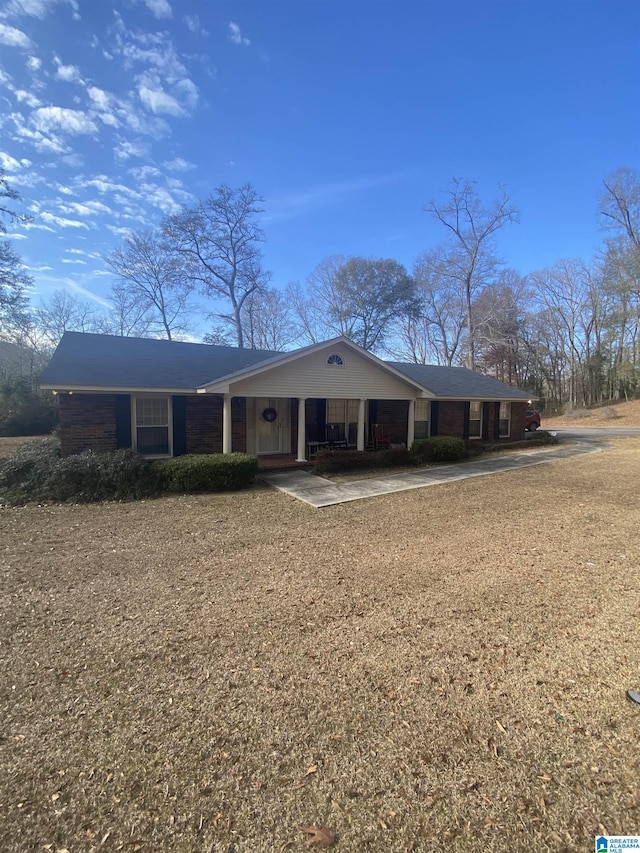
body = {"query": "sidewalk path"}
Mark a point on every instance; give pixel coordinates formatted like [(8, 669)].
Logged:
[(320, 492)]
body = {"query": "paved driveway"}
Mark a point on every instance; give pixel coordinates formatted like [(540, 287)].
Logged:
[(320, 492)]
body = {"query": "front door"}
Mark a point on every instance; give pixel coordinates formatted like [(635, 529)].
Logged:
[(273, 432)]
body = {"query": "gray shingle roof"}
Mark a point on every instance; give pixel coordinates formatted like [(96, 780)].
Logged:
[(107, 361), (458, 382)]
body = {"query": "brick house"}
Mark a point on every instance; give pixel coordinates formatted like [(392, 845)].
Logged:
[(168, 398)]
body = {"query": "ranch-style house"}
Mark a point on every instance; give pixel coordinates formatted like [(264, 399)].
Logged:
[(168, 398)]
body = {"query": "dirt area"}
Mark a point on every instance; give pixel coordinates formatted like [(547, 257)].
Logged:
[(442, 668), (624, 414)]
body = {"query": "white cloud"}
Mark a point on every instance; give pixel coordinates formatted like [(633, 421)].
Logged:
[(16, 236), (178, 164), (68, 73), (62, 222), (74, 261), (28, 98), (235, 35), (159, 102), (47, 119), (9, 163), (100, 99), (193, 24), (13, 37), (159, 8), (87, 208), (126, 149), (34, 63), (37, 8)]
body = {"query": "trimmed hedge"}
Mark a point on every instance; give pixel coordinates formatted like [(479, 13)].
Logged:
[(211, 472), (438, 448), (37, 472), (333, 461)]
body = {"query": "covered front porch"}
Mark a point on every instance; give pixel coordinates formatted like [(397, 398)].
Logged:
[(283, 426)]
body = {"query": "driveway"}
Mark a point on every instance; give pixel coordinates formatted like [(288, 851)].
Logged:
[(319, 492)]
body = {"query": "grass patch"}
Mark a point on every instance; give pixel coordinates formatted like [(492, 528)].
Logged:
[(213, 672)]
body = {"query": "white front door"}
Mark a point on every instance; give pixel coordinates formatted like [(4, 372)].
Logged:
[(273, 431)]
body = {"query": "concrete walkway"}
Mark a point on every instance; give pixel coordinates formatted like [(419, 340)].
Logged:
[(320, 492)]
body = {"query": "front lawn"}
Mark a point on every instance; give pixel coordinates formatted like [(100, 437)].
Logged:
[(437, 669)]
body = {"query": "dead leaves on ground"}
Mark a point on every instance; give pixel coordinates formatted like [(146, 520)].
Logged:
[(319, 836)]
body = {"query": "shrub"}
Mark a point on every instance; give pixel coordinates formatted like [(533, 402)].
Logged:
[(333, 461), (438, 448), (609, 413), (210, 472), (37, 472)]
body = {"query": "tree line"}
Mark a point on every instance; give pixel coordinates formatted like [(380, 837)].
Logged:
[(568, 333)]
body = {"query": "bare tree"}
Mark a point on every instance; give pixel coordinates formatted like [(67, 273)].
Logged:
[(14, 281), (356, 297), (219, 242), (620, 204), (472, 228), (436, 332), (153, 285), (64, 312), (268, 320)]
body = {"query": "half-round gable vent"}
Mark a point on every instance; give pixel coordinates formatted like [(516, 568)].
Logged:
[(335, 360)]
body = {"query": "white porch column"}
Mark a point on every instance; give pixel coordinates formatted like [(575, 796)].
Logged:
[(360, 439), (226, 424), (411, 426), (302, 430)]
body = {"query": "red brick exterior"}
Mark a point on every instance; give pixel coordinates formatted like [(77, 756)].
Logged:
[(87, 422), (394, 417), (451, 418)]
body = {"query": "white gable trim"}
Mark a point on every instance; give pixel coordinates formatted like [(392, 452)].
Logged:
[(223, 384)]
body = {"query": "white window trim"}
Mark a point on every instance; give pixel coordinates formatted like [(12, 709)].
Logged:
[(508, 420), (134, 425), (479, 436), (426, 420)]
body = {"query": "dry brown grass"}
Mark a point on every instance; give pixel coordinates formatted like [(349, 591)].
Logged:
[(623, 414), (9, 444), (441, 668)]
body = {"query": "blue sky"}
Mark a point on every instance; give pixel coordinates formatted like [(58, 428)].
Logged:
[(346, 116)]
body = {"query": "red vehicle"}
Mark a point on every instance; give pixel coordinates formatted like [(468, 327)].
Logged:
[(531, 420)]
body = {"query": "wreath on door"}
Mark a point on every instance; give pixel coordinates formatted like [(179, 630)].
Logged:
[(269, 415)]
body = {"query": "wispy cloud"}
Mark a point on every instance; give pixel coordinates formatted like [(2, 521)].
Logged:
[(193, 23), (235, 35), (13, 37), (62, 222), (178, 164), (306, 200), (159, 8), (68, 73), (38, 8), (47, 119)]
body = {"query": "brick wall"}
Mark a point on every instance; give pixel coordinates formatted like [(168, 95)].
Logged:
[(517, 420), (451, 418), (203, 413), (394, 417), (87, 422)]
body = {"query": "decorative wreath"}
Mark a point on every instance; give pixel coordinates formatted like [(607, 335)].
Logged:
[(269, 414)]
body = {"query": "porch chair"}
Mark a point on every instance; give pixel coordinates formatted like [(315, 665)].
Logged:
[(335, 437), (380, 441)]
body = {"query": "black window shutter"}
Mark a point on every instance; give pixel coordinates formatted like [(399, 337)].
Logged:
[(435, 405), (485, 421), (179, 406), (496, 421), (123, 421), (465, 420)]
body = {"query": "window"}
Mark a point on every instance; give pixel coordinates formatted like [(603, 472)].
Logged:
[(344, 413), (151, 419), (421, 427), (475, 419), (335, 360), (505, 420)]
